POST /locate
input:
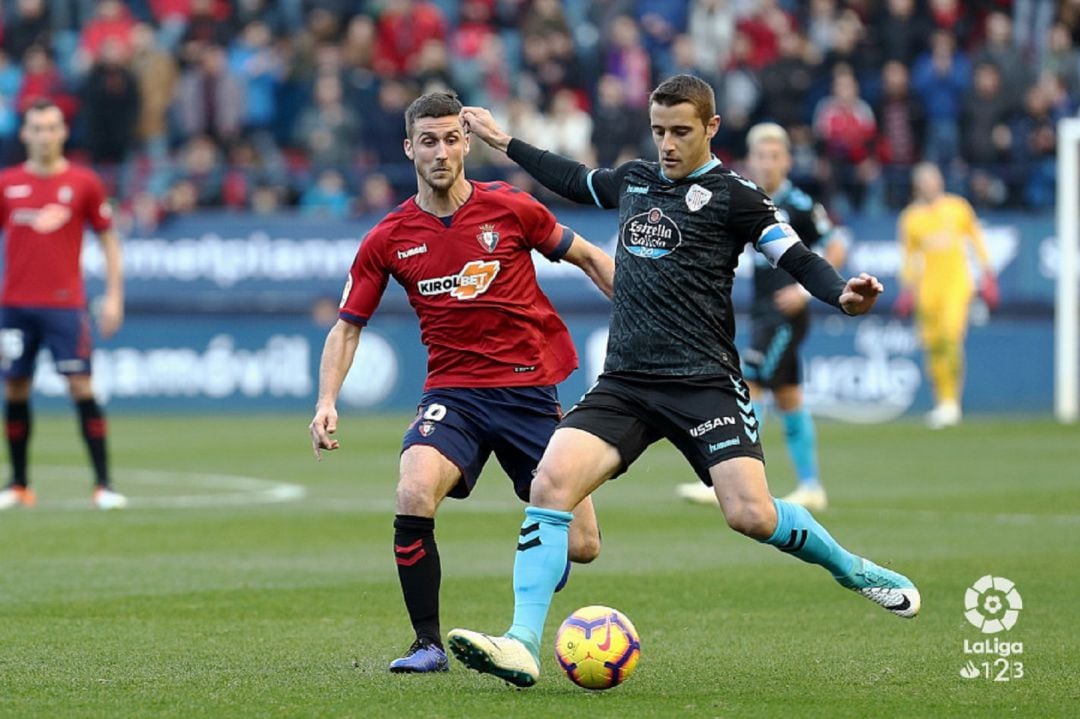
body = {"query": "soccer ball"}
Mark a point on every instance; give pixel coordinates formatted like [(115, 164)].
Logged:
[(597, 647)]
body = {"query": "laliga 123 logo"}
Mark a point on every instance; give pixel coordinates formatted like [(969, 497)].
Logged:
[(992, 605)]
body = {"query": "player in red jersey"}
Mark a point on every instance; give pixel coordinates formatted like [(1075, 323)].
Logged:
[(44, 205), (496, 347)]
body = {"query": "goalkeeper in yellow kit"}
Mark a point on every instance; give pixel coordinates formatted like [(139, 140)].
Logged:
[(934, 233)]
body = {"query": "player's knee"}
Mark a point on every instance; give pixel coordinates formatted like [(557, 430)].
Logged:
[(754, 519), (547, 491), (415, 498)]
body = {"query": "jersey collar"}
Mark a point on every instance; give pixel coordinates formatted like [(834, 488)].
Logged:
[(713, 162), (782, 192)]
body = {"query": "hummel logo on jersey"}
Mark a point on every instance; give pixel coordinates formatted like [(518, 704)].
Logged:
[(411, 252), (474, 280), (637, 189), (488, 237), (17, 191), (697, 197), (724, 445), (345, 292)]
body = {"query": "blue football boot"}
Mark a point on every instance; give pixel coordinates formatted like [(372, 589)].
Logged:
[(422, 657)]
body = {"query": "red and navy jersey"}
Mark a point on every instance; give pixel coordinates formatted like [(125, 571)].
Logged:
[(43, 218), (471, 280)]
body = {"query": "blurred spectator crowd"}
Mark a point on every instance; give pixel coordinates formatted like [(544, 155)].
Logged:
[(263, 104)]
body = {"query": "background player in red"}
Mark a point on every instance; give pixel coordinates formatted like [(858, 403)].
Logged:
[(496, 347), (45, 203)]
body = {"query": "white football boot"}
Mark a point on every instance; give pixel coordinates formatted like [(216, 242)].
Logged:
[(946, 414), (105, 498), (813, 498), (697, 493), (508, 658), (15, 496)]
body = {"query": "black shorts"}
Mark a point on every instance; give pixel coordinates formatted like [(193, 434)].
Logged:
[(709, 419), (772, 359)]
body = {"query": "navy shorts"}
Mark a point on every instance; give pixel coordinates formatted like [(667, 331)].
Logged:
[(772, 359), (25, 330), (708, 419), (467, 424)]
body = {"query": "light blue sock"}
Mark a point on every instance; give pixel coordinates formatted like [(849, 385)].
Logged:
[(798, 533), (540, 562), (759, 412), (802, 445)]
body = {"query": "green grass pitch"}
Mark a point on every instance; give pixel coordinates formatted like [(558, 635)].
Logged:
[(206, 600)]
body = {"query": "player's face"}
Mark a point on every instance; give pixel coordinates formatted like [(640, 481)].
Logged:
[(769, 163), (929, 185), (44, 134), (438, 148), (681, 138)]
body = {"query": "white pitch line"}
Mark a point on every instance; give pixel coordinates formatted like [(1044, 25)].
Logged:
[(496, 506), (934, 515), (243, 491)]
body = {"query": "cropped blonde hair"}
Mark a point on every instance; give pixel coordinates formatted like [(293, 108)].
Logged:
[(766, 131)]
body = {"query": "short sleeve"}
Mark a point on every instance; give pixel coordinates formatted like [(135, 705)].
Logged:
[(538, 225), (366, 283), (605, 184), (97, 210)]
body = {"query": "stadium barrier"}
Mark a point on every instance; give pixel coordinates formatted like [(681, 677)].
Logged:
[(229, 313)]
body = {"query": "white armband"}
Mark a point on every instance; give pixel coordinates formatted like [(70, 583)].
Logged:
[(775, 240)]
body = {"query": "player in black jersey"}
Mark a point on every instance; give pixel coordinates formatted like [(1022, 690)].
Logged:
[(672, 370), (781, 316)]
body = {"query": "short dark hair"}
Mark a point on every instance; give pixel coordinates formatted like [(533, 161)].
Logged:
[(686, 88), (39, 104), (433, 104)]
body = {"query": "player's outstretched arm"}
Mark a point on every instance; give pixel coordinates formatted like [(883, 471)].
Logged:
[(594, 262), (337, 357), (860, 293), (111, 316), (561, 175)]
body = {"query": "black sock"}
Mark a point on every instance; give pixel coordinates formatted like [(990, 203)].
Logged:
[(92, 423), (420, 573), (17, 426)]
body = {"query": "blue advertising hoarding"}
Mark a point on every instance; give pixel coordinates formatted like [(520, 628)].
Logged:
[(855, 369), (221, 262), (223, 314)]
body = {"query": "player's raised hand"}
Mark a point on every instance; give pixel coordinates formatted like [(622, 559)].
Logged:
[(322, 426), (479, 122), (860, 293)]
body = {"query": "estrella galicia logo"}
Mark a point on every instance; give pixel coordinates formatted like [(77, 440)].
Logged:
[(992, 604), (651, 234)]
